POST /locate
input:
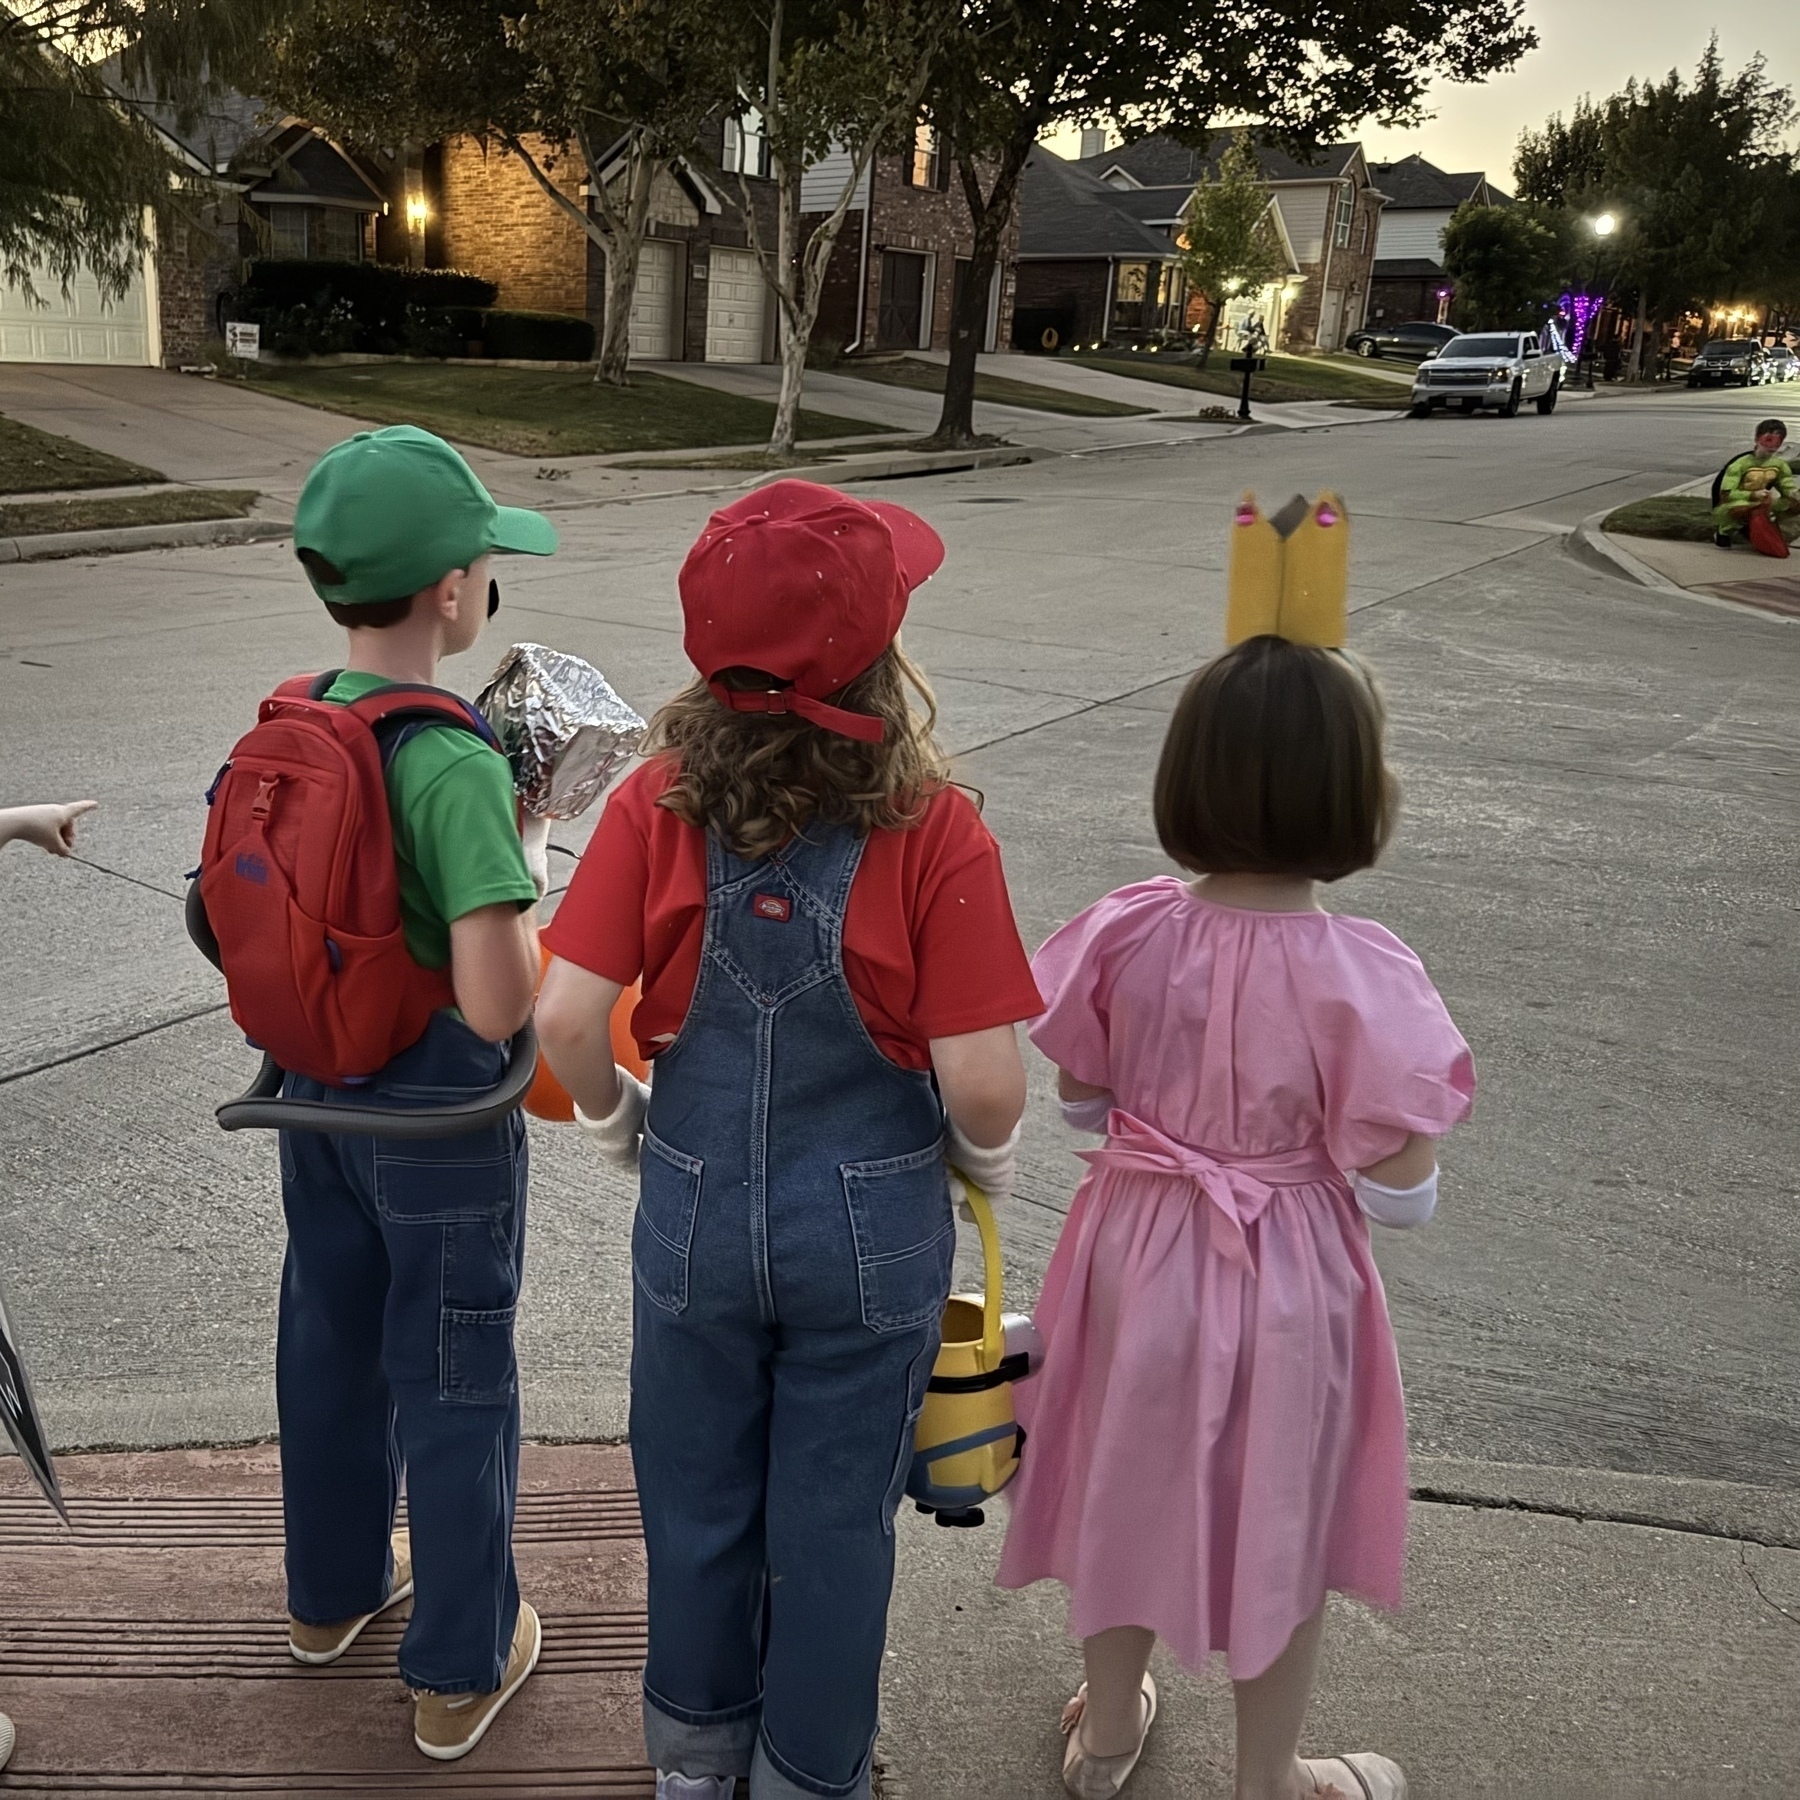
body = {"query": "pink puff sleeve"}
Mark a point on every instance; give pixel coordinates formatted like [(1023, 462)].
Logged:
[(1390, 1060), (1070, 973), (1074, 972)]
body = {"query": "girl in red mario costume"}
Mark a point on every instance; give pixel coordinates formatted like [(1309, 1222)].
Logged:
[(831, 978)]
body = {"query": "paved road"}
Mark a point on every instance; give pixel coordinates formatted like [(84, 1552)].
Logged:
[(1598, 862)]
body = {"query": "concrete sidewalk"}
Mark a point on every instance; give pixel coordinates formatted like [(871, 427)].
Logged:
[(1537, 1657)]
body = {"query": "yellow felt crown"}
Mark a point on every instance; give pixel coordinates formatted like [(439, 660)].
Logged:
[(1290, 573)]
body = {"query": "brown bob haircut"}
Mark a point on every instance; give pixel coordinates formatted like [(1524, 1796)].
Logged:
[(1273, 765)]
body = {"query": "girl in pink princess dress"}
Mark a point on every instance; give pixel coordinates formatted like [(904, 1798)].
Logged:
[(1218, 1437)]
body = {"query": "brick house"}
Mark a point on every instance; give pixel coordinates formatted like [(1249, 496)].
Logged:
[(903, 255), (1328, 212), (890, 285), (1410, 281), (258, 184)]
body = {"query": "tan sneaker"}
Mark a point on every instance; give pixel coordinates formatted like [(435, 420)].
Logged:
[(446, 1726), (317, 1644)]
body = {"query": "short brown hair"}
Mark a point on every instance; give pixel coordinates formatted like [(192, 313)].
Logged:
[(371, 615), (1273, 765), (758, 778)]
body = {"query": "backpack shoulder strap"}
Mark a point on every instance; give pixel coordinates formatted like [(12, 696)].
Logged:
[(306, 687), (397, 713)]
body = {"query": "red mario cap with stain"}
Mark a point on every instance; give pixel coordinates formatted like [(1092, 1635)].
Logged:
[(808, 585)]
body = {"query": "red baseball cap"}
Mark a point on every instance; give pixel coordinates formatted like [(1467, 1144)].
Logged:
[(807, 584)]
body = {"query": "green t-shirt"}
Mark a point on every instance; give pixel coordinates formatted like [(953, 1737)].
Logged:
[(456, 836)]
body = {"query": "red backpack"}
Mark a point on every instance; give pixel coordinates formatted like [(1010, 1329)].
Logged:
[(297, 877)]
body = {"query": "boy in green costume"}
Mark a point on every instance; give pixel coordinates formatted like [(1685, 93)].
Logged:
[(1754, 490)]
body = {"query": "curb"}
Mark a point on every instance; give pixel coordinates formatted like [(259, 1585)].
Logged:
[(1589, 544), (124, 538), (902, 464)]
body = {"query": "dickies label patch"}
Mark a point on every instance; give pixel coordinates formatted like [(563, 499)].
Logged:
[(772, 906)]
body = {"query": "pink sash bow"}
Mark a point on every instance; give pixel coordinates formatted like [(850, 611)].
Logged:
[(1239, 1187)]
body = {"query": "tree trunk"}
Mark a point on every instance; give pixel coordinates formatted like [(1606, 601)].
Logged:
[(621, 286), (796, 317), (991, 213), (1635, 370), (1213, 310), (620, 235)]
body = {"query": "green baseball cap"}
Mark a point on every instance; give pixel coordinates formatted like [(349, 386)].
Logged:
[(392, 511)]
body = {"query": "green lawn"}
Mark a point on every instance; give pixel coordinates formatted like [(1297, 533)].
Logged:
[(103, 511), (1687, 518), (1001, 390), (39, 462), (552, 412), (1285, 378)]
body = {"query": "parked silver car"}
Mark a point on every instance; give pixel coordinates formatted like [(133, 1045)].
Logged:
[(1780, 364), (1501, 369)]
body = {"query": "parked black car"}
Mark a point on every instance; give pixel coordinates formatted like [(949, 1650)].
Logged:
[(1728, 360), (1413, 339)]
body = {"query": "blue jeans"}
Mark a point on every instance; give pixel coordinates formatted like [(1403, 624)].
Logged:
[(791, 1258), (395, 1357)]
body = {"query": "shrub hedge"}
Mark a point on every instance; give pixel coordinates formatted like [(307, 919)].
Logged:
[(322, 308)]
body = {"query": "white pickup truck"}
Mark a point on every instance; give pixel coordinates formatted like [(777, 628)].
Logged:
[(1501, 369)]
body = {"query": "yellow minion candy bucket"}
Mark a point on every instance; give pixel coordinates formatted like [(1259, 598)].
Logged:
[(968, 1443)]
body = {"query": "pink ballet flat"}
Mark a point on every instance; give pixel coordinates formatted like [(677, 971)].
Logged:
[(1371, 1777), (1100, 1777)]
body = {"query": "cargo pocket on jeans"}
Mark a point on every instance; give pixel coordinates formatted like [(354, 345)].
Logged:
[(905, 1237), (663, 1231), (475, 1356)]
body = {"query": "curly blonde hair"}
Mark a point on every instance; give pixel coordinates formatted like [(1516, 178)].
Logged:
[(760, 778)]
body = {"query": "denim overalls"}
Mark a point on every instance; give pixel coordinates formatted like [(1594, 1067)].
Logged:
[(791, 1255), (395, 1355)]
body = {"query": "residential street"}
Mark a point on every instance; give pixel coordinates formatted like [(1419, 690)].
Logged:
[(1598, 862)]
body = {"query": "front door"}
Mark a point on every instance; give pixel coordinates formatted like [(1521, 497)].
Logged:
[(902, 321)]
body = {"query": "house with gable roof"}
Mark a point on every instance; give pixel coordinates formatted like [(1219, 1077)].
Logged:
[(1410, 281)]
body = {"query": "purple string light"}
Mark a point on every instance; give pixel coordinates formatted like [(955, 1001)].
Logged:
[(1581, 310)]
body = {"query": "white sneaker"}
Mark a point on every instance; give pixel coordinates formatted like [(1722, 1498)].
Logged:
[(693, 1787), (8, 1737)]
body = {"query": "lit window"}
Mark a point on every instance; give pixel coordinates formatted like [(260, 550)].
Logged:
[(746, 145), (927, 166), (1133, 279)]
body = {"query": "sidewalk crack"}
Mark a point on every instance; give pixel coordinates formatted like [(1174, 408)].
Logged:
[(1774, 1606)]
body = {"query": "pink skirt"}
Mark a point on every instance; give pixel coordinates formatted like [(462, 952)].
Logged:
[(1217, 1436)]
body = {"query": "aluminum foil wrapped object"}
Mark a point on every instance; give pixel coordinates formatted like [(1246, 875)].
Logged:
[(564, 730)]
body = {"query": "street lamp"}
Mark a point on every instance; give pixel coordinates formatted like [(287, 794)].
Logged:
[(1602, 225)]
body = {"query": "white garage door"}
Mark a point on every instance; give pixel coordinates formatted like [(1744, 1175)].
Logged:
[(734, 308), (76, 327), (653, 304)]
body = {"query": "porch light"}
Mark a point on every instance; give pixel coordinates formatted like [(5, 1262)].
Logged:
[(417, 212)]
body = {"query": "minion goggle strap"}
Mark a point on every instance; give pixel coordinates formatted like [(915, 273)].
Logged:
[(1290, 573)]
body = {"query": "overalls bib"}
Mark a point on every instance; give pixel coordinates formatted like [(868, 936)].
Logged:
[(791, 1255)]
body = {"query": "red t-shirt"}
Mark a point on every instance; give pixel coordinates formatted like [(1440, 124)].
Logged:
[(930, 945)]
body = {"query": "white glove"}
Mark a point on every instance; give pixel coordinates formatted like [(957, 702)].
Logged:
[(1089, 1114), (1400, 1208), (618, 1135), (991, 1170), (534, 836)]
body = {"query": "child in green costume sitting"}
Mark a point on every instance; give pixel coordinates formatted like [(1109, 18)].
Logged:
[(1754, 491)]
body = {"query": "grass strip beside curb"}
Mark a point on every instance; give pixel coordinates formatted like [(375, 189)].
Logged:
[(1683, 518), (1285, 378), (40, 462), (997, 390), (104, 513)]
